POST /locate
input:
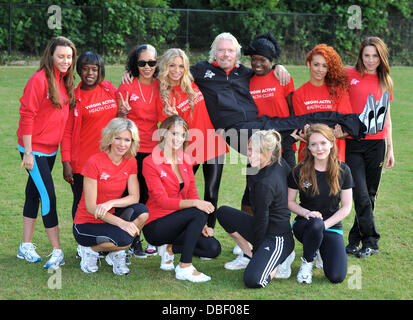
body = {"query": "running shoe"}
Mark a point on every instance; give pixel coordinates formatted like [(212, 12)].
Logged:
[(89, 259), (117, 259), (167, 260), (136, 249), (305, 275), (27, 251), (237, 250), (56, 259), (238, 263), (365, 252), (284, 269), (151, 250)]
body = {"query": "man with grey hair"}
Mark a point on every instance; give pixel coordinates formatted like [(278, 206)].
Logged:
[(224, 83)]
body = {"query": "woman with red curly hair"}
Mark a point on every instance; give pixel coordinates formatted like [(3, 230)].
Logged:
[(327, 90)]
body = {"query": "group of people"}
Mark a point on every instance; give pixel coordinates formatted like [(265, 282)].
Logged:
[(132, 177)]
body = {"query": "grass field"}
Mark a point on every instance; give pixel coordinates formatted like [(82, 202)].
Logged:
[(385, 276)]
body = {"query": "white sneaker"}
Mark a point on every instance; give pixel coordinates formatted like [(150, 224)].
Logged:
[(27, 251), (167, 260), (237, 250), (56, 259), (382, 108), (187, 274), (305, 275), (89, 259), (318, 260), (238, 263), (117, 259), (284, 269)]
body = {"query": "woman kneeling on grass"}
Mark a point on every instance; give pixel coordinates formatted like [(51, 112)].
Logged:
[(177, 217), (269, 230), (323, 182), (106, 221)]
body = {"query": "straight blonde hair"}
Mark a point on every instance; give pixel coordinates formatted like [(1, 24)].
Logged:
[(116, 126), (165, 86)]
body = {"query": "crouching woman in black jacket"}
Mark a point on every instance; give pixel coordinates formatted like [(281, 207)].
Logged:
[(269, 230)]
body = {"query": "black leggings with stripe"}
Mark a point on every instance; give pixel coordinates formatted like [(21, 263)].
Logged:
[(271, 252), (40, 189)]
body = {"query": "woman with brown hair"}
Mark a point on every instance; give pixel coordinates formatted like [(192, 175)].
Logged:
[(323, 183), (370, 83), (44, 110)]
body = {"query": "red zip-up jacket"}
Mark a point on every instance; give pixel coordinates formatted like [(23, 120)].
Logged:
[(163, 185), (39, 117), (71, 137)]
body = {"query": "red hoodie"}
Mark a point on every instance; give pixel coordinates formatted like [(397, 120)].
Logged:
[(39, 117), (163, 185), (94, 109)]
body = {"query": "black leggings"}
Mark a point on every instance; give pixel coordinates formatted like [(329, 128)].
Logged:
[(77, 190), (182, 228), (212, 170), (40, 189), (143, 188), (92, 234), (313, 235), (274, 249)]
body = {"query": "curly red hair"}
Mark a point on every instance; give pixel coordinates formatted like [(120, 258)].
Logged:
[(336, 78)]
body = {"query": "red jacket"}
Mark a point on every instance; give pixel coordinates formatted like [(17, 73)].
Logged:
[(163, 185), (70, 147), (39, 117)]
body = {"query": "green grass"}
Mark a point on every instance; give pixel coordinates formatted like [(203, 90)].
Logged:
[(384, 276)]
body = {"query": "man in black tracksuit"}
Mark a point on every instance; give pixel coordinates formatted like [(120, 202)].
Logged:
[(224, 84)]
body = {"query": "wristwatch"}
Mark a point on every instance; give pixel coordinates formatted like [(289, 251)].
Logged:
[(28, 153)]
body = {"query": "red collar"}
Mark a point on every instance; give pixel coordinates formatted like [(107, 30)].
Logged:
[(227, 72)]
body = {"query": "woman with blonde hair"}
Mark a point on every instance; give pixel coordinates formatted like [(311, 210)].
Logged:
[(180, 95), (325, 187), (105, 219), (370, 84), (269, 230), (44, 110)]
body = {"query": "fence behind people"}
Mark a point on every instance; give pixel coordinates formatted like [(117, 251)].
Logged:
[(113, 31)]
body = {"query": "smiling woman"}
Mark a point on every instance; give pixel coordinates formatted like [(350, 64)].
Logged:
[(45, 104), (95, 107), (107, 220), (327, 90)]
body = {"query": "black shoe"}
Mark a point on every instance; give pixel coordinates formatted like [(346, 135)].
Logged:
[(352, 249), (366, 252), (137, 250)]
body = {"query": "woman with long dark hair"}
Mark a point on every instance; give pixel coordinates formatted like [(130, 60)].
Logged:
[(44, 110), (370, 84)]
